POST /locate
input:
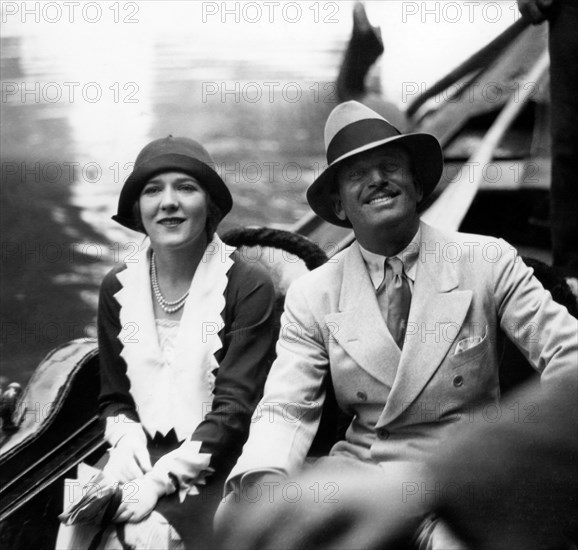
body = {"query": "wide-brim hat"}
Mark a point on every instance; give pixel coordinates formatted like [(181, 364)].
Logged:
[(353, 128), (170, 154)]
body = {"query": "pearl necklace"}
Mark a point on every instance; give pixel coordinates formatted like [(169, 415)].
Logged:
[(166, 306)]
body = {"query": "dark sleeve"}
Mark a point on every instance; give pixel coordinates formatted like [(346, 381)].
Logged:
[(244, 362), (114, 395)]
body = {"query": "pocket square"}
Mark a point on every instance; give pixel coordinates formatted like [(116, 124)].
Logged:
[(468, 343)]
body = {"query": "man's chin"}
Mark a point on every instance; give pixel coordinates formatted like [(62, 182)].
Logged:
[(387, 217)]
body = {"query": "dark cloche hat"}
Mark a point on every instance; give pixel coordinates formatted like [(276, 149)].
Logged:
[(169, 154)]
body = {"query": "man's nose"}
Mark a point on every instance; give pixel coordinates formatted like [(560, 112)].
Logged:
[(376, 177)]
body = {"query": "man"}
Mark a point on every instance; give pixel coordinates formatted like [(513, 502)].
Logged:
[(409, 374), (562, 16)]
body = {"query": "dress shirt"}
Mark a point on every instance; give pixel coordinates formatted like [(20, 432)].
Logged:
[(375, 263)]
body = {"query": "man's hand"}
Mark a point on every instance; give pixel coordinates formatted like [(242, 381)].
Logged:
[(536, 11), (139, 497), (338, 504)]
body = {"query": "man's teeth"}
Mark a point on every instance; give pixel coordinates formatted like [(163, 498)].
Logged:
[(381, 200)]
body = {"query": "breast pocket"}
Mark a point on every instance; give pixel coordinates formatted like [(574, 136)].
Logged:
[(472, 374), (469, 347)]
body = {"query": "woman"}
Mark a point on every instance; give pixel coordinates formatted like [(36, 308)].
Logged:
[(185, 340)]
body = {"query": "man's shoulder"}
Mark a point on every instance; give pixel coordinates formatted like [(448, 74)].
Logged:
[(445, 236), (456, 247)]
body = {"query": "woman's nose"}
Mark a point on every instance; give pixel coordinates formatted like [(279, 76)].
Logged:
[(168, 199)]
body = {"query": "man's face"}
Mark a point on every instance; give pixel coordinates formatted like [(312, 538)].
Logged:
[(377, 189)]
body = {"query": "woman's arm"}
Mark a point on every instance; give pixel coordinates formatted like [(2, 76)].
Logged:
[(244, 363), (129, 457), (114, 398)]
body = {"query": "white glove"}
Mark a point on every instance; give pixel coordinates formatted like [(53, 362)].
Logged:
[(139, 498), (129, 457)]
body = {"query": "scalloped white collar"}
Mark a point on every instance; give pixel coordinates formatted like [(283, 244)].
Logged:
[(176, 396)]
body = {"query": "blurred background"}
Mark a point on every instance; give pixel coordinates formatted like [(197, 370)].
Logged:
[(85, 85)]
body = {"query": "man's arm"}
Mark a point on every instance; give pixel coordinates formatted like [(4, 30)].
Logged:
[(286, 420), (542, 329)]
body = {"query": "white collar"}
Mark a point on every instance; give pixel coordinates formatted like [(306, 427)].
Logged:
[(178, 396), (376, 262)]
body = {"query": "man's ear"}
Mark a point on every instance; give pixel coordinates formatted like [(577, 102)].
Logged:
[(338, 207), (418, 189)]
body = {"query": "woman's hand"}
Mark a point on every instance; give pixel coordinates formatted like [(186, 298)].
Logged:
[(128, 460), (139, 497)]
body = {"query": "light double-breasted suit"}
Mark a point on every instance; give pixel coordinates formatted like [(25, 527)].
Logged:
[(404, 403)]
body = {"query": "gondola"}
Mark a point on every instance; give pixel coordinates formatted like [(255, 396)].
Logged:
[(52, 426)]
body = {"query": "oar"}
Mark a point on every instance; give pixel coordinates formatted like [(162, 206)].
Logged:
[(448, 211)]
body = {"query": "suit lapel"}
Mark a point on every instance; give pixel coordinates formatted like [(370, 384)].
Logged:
[(436, 315), (359, 326)]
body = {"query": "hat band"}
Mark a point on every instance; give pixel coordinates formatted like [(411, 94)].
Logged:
[(358, 134)]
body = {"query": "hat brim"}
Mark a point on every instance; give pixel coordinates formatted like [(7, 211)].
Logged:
[(209, 180), (427, 158)]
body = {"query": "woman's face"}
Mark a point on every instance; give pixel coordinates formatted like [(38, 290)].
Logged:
[(173, 208)]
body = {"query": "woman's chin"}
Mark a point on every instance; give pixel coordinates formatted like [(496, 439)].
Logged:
[(176, 241)]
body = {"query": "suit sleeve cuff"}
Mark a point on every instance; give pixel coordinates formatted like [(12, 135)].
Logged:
[(236, 483)]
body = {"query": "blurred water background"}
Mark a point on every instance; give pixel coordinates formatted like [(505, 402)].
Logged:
[(85, 86)]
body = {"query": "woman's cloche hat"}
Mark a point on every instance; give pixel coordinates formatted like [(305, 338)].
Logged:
[(353, 128), (177, 154)]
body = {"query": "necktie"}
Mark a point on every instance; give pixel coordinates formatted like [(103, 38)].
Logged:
[(395, 290)]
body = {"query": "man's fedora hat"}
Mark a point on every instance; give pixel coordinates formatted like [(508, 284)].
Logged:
[(171, 154), (353, 128)]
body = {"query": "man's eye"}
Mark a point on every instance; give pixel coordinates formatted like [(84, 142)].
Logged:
[(356, 173), (390, 167)]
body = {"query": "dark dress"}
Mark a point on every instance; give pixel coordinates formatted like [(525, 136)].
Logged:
[(244, 361)]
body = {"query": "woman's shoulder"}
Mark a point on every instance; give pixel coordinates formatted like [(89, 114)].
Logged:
[(246, 267), (110, 281), (248, 274)]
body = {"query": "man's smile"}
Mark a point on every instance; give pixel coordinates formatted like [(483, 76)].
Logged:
[(383, 196)]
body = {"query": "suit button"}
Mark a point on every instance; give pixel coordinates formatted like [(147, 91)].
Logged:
[(382, 433), (458, 381), (361, 395)]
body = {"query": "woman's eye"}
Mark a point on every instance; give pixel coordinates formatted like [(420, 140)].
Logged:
[(187, 187), (150, 190)]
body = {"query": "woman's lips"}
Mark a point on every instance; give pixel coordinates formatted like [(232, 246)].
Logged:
[(171, 222)]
